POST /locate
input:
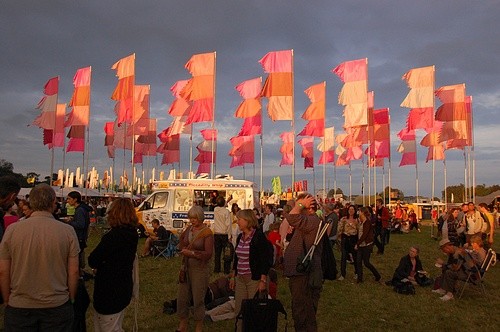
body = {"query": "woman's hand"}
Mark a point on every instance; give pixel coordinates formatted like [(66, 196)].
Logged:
[(261, 286), (187, 253), (231, 283)]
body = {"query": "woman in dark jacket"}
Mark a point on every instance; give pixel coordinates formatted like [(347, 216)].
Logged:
[(364, 246), (410, 268), (113, 262), (253, 259)]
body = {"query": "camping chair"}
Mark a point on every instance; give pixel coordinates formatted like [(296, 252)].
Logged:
[(165, 248), (476, 275)]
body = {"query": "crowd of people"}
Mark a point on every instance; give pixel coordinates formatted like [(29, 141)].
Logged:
[(245, 247)]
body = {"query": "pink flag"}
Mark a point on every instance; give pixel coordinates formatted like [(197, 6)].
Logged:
[(406, 134), (354, 70), (326, 157), (250, 89), (420, 118), (277, 62)]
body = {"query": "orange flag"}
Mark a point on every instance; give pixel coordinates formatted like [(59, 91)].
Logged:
[(125, 71), (278, 87), (317, 96), (250, 92), (200, 89)]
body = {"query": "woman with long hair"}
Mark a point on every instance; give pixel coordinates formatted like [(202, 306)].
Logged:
[(347, 232), (113, 262), (364, 246)]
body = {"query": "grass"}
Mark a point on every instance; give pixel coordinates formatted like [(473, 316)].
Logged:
[(344, 305)]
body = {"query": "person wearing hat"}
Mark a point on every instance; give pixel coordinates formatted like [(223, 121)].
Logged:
[(460, 260)]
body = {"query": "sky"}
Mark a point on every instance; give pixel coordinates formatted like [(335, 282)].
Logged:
[(43, 39)]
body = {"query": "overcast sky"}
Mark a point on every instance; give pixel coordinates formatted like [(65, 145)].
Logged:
[(43, 39)]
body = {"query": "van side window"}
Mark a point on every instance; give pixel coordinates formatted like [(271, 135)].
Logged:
[(183, 199), (160, 200)]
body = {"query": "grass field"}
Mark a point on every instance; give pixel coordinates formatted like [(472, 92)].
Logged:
[(344, 305)]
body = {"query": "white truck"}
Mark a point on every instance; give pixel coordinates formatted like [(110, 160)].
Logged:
[(171, 200)]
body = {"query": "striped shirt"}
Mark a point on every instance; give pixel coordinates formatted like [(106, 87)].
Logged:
[(243, 253)]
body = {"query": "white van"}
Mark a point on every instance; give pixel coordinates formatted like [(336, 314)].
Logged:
[(171, 199)]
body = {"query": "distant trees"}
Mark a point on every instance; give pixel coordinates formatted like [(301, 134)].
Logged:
[(456, 193), (7, 168)]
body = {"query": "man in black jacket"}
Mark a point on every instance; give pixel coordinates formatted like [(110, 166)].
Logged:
[(80, 222)]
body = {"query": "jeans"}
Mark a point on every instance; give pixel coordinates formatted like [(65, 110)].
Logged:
[(347, 244), (34, 319), (363, 258)]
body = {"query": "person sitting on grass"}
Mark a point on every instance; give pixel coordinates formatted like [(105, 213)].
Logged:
[(410, 269), (465, 260), (159, 234)]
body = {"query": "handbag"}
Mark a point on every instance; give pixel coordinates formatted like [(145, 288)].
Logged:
[(260, 314)]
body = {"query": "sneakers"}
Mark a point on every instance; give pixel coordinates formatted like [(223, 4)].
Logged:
[(340, 278), (439, 291), (447, 297)]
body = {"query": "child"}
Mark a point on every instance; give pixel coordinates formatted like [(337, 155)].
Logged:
[(275, 238)]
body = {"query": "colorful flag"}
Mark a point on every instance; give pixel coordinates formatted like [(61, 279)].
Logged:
[(278, 87), (421, 84), (78, 118), (125, 71), (200, 89), (250, 92), (354, 93), (286, 150), (307, 144)]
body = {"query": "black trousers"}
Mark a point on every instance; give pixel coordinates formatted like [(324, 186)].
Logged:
[(220, 241)]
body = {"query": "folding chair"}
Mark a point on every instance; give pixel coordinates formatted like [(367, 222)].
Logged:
[(165, 248), (476, 275)]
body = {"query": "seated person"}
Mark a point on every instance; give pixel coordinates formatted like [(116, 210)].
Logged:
[(460, 262), (225, 310), (410, 269), (159, 234), (218, 293)]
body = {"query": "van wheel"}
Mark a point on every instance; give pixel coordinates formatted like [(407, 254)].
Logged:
[(141, 231)]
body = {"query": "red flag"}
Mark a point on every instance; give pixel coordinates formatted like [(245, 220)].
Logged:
[(409, 158), (313, 128), (76, 145), (420, 118), (251, 126), (209, 134), (51, 87)]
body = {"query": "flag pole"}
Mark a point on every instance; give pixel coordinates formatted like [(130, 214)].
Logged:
[(191, 154), (472, 153), (390, 164), (293, 130), (350, 182), (261, 147), (325, 194), (213, 164), (87, 145)]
